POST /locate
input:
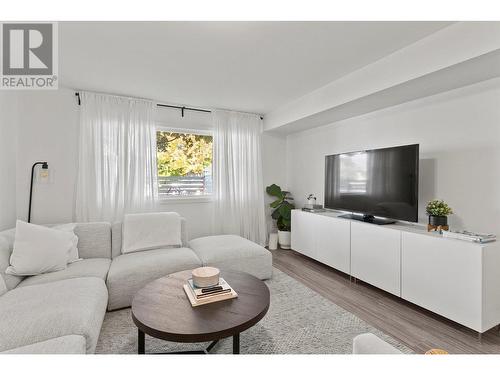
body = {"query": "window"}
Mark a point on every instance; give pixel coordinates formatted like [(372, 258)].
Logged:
[(184, 160)]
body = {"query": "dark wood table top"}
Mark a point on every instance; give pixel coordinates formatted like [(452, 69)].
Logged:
[(161, 309)]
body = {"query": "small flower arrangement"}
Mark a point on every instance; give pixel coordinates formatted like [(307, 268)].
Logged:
[(438, 207)]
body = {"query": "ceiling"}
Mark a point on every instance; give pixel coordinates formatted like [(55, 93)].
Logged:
[(245, 66)]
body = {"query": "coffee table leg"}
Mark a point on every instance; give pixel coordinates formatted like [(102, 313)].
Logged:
[(140, 342), (236, 344), (211, 346)]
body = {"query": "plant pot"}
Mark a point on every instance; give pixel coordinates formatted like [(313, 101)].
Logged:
[(285, 239), (438, 220)]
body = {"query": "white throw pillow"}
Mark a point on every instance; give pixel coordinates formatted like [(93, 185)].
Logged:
[(38, 250), (73, 254), (151, 231)]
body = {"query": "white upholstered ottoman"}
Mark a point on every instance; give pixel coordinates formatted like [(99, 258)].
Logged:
[(234, 252)]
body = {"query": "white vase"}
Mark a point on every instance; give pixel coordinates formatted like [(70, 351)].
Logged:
[(273, 241), (285, 239)]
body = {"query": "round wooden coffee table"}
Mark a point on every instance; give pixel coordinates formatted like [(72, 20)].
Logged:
[(161, 309)]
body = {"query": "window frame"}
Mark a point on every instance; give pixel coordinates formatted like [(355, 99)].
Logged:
[(187, 198)]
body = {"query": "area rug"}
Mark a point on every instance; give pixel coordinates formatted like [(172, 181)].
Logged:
[(299, 321)]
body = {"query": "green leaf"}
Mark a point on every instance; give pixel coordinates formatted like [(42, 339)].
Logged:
[(285, 210), (276, 203), (275, 191), (276, 214)]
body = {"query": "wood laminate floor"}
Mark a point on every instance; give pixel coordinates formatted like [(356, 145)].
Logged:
[(414, 326)]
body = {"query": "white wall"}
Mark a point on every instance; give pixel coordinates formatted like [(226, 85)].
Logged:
[(274, 168), (459, 137), (48, 131), (8, 141)]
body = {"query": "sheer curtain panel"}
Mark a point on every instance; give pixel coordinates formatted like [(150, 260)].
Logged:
[(239, 189), (116, 156)]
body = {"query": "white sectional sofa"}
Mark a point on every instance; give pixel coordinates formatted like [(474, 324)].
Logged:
[(368, 343), (62, 312)]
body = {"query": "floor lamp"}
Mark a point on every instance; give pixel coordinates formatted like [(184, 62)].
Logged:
[(45, 165)]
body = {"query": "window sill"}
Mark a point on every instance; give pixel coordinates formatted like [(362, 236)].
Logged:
[(188, 199)]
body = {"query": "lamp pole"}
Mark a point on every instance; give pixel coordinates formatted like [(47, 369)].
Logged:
[(44, 166)]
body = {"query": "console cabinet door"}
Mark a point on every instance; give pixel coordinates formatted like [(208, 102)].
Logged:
[(444, 276), (303, 232), (333, 242), (376, 256)]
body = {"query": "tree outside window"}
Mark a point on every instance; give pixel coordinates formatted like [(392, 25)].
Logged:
[(184, 163)]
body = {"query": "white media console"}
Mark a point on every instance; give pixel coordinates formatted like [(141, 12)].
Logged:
[(456, 279)]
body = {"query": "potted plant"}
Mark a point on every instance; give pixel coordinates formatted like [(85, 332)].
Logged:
[(282, 214), (438, 211)]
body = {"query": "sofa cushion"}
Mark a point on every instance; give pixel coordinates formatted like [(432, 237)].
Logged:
[(3, 287), (70, 344), (93, 267), (6, 246), (46, 311), (368, 343), (130, 272), (233, 252), (94, 240), (116, 239)]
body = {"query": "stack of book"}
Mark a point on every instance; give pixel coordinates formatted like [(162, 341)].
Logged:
[(470, 236), (202, 296)]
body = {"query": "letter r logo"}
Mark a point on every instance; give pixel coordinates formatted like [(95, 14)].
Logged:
[(27, 49)]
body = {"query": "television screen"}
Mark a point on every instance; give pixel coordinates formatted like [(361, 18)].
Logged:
[(381, 182)]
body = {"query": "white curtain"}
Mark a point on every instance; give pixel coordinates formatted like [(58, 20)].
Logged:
[(239, 190), (117, 157)]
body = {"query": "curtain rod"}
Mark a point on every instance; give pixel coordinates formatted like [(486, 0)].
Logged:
[(182, 108)]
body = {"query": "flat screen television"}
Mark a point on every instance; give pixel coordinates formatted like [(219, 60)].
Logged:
[(374, 183)]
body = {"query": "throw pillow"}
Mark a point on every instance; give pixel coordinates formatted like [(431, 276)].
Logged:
[(38, 250), (151, 231)]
